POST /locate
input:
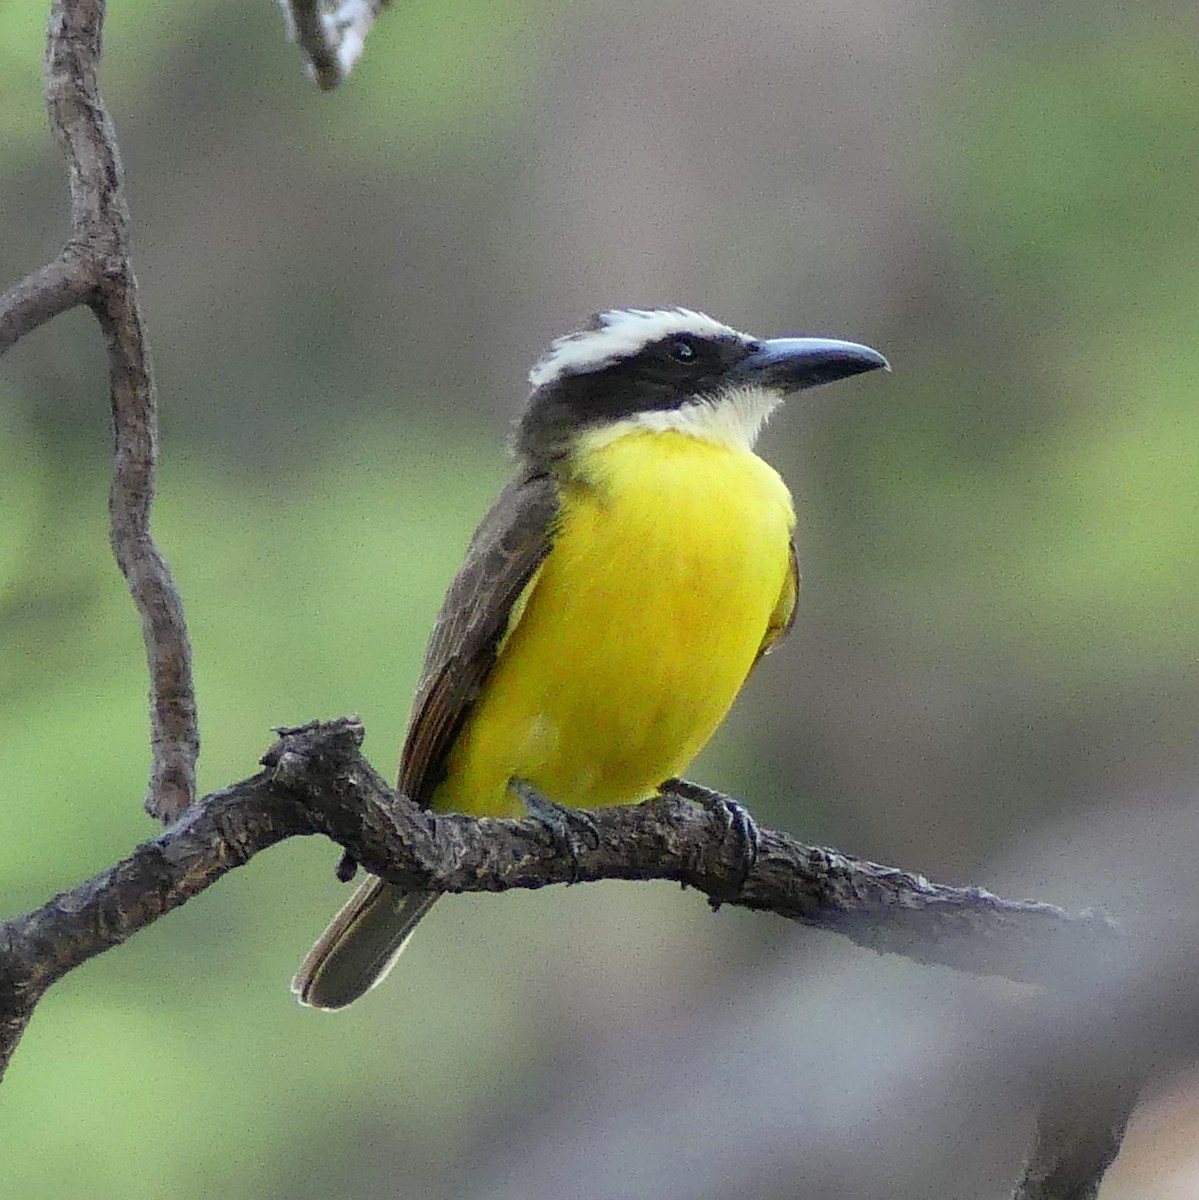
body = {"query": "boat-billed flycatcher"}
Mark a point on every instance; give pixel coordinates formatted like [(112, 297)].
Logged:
[(613, 600)]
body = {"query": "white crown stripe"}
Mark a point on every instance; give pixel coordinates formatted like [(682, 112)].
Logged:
[(623, 332)]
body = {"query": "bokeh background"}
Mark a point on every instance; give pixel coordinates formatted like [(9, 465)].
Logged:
[(993, 679)]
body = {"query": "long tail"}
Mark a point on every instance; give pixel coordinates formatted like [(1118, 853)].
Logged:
[(361, 944)]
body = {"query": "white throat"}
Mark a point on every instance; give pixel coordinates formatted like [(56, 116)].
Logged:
[(732, 419)]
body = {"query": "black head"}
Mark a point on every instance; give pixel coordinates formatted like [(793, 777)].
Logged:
[(667, 368)]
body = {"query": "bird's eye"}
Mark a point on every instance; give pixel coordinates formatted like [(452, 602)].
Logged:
[(683, 349)]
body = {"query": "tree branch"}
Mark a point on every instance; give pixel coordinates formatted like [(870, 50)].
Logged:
[(174, 723), (95, 269), (331, 41), (1078, 1136), (316, 781), (53, 289)]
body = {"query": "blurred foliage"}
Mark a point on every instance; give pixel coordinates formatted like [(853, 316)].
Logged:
[(998, 619)]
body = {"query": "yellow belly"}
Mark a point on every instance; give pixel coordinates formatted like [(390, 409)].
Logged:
[(638, 631)]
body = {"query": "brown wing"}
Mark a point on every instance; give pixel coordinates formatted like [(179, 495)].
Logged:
[(783, 616), (508, 547)]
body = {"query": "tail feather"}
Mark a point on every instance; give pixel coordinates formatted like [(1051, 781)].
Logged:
[(361, 944)]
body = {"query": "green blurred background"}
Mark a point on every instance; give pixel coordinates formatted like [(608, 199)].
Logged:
[(995, 660)]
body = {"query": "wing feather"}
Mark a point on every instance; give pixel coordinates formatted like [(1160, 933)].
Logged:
[(504, 555), (783, 616)]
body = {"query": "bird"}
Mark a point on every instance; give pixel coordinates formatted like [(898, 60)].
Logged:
[(612, 601)]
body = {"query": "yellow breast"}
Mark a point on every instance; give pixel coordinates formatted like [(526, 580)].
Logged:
[(637, 633)]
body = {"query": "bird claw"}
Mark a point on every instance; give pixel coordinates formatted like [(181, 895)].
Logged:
[(563, 824), (734, 818)]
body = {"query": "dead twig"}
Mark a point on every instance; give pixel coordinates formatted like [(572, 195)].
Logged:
[(331, 39), (316, 781), (95, 269)]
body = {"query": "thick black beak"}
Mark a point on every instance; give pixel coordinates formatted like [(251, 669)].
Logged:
[(793, 363)]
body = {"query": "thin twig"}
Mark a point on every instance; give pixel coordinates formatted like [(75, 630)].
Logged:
[(174, 725), (53, 289), (316, 781), (95, 269), (331, 41)]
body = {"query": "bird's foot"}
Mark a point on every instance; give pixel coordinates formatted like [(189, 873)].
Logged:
[(734, 819), (565, 825)]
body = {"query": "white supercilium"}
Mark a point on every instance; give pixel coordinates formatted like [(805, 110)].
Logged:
[(623, 332)]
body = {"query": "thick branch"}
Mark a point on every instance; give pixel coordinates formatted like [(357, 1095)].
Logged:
[(316, 781), (1078, 1136), (1098, 1046), (331, 41)]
